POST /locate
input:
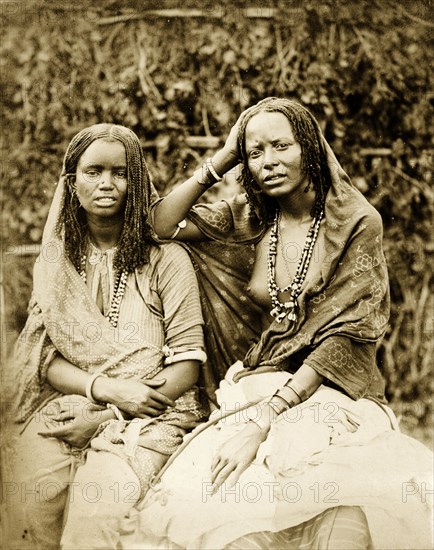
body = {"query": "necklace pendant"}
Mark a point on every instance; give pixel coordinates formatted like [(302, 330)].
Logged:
[(292, 316), (280, 317), (275, 312)]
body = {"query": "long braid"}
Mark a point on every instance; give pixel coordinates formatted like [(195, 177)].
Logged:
[(313, 156), (136, 237)]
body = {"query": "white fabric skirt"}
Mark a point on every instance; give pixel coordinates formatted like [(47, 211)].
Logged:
[(328, 451)]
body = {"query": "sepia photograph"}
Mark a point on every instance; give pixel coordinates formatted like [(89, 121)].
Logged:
[(216, 276)]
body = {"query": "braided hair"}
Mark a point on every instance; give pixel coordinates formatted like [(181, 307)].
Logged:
[(136, 237), (313, 156)]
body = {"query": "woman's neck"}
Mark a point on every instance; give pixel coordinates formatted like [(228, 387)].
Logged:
[(298, 205), (104, 234)]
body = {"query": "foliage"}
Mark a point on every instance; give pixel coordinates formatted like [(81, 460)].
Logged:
[(363, 67)]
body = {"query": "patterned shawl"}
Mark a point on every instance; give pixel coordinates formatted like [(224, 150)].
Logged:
[(342, 313), (64, 318)]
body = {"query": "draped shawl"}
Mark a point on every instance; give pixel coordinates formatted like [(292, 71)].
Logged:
[(63, 318), (343, 311)]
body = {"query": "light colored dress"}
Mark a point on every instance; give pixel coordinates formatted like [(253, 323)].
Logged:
[(160, 315), (330, 451)]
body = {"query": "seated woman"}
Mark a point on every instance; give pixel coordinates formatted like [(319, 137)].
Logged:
[(107, 363), (304, 430)]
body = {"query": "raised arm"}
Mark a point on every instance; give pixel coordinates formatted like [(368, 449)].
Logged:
[(174, 208)]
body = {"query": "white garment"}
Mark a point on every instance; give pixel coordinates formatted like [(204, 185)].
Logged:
[(328, 451)]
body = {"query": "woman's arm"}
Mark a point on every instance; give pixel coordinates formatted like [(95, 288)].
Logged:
[(136, 397), (69, 379), (177, 204), (174, 380), (237, 453)]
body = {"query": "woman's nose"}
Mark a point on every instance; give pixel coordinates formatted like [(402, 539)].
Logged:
[(269, 159), (106, 180)]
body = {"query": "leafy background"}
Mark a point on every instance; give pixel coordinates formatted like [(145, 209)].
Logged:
[(180, 78)]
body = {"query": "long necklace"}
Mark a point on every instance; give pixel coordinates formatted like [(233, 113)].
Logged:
[(119, 290), (288, 309)]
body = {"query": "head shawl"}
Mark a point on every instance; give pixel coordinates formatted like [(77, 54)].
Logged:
[(63, 317), (342, 313)]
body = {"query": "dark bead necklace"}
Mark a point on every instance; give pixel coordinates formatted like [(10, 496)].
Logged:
[(288, 309)]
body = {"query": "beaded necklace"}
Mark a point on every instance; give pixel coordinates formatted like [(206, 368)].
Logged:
[(119, 290), (281, 310)]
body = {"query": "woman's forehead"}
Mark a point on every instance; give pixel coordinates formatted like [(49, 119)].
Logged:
[(267, 125), (102, 151)]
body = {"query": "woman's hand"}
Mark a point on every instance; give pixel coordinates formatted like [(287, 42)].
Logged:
[(235, 455), (247, 372), (230, 155), (135, 397), (75, 424), (231, 148)]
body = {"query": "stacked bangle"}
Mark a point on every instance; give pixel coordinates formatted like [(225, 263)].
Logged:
[(287, 396), (299, 390), (206, 174), (258, 419), (211, 170), (275, 407)]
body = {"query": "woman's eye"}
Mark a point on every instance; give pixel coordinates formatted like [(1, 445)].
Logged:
[(122, 174), (282, 145), (254, 154), (92, 174)]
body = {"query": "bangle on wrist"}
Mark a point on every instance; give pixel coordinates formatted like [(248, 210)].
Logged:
[(202, 177), (298, 389), (206, 175), (278, 409), (89, 385), (287, 394), (211, 169), (256, 415), (264, 427)]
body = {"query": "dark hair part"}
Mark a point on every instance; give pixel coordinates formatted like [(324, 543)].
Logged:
[(313, 156), (136, 237)]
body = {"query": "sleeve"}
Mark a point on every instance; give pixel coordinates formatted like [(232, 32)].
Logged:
[(182, 316), (345, 362), (227, 221)]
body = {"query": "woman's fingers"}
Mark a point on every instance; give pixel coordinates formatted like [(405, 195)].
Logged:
[(63, 416), (217, 464), (154, 383), (234, 476), (158, 397), (217, 479), (228, 473), (152, 411), (53, 432), (155, 404)]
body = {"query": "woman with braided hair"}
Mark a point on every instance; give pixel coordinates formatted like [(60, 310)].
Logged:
[(109, 358), (303, 452)]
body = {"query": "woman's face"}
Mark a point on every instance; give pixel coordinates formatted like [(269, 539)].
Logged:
[(101, 179), (274, 156)]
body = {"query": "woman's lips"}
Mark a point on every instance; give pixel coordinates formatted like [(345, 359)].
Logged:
[(105, 201), (274, 180)]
